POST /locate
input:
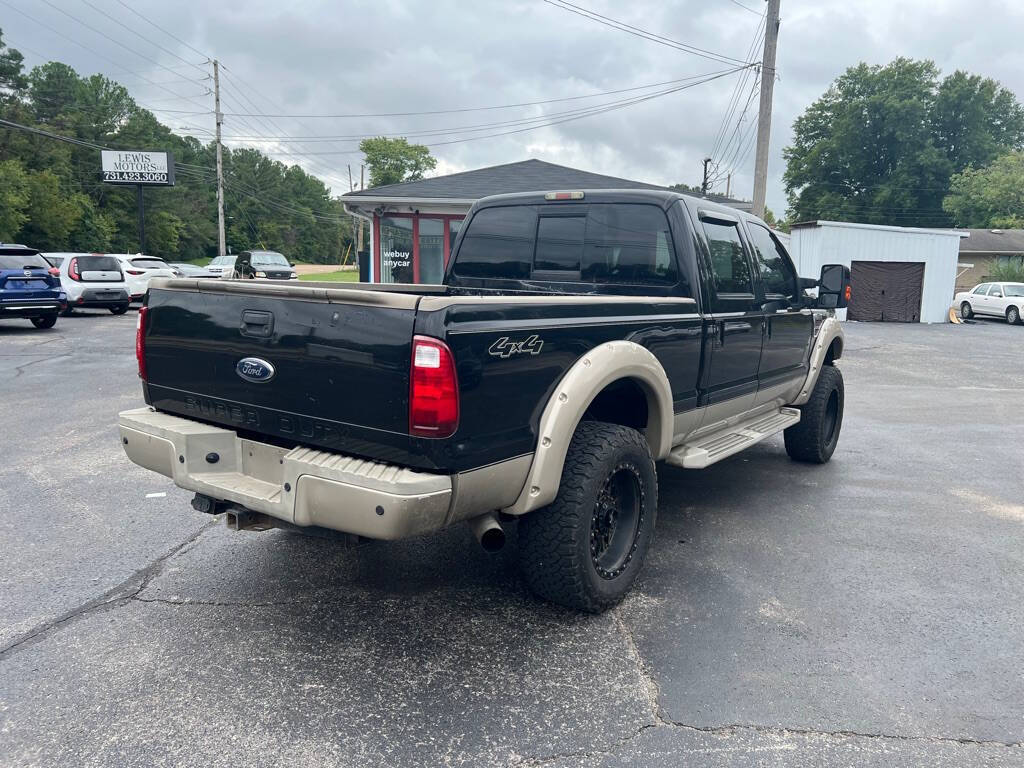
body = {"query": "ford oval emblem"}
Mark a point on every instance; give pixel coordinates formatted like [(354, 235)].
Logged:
[(255, 369)]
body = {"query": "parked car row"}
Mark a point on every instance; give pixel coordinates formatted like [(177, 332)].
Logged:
[(38, 286)]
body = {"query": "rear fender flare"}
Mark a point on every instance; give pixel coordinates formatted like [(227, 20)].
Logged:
[(830, 330), (601, 366)]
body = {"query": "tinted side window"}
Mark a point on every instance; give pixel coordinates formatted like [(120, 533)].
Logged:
[(628, 243), (559, 243), (729, 265), (777, 273), (982, 289), (498, 243)]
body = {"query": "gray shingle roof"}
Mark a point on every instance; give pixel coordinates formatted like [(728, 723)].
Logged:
[(525, 176), (993, 241)]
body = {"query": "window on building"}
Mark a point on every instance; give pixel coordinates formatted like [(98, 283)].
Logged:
[(396, 249), (628, 243), (431, 250), (498, 243), (559, 244), (729, 265), (454, 225), (774, 266)]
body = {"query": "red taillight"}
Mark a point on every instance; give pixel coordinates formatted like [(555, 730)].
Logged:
[(73, 272), (433, 389), (135, 272), (54, 272), (140, 341)]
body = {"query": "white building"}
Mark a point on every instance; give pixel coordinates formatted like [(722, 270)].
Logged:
[(899, 274)]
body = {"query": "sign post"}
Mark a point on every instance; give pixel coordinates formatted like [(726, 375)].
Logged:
[(140, 168)]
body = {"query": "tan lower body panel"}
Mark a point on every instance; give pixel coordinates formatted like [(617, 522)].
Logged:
[(305, 486)]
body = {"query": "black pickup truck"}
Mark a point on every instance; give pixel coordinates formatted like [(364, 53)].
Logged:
[(578, 338)]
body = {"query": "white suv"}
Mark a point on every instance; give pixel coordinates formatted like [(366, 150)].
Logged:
[(220, 265), (93, 280), (140, 269)]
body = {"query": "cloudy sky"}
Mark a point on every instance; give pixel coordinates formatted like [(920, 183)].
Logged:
[(357, 57)]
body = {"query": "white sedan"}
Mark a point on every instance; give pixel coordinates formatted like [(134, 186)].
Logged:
[(140, 269), (993, 300)]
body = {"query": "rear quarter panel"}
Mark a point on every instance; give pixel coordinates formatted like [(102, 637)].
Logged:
[(502, 397)]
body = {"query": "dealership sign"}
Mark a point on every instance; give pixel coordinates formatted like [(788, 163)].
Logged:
[(138, 167)]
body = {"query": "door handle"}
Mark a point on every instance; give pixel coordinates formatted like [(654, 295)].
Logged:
[(735, 326), (257, 324)]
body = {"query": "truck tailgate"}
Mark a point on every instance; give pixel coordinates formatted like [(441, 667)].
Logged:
[(319, 366)]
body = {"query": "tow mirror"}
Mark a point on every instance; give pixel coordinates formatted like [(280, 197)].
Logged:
[(834, 286)]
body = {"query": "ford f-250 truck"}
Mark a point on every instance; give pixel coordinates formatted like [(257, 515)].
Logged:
[(578, 338)]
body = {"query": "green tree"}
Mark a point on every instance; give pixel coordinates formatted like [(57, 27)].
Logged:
[(12, 78), (163, 234), (93, 231), (686, 189), (51, 213), (14, 199), (392, 161), (882, 142), (992, 196)]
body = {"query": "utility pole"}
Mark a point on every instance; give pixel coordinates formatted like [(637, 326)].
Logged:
[(359, 242), (728, 184), (764, 114), (704, 183), (221, 250)]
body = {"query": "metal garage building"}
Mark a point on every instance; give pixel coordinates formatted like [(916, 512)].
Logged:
[(898, 274)]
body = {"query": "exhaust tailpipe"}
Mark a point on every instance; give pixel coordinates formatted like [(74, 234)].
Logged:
[(488, 532)]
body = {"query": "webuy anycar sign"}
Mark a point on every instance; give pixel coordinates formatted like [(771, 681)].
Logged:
[(137, 167)]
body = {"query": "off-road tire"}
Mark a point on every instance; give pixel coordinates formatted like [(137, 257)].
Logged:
[(120, 309), (814, 438), (1013, 316), (966, 313), (556, 554), (47, 321)]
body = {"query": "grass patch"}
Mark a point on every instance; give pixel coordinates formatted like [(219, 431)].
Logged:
[(346, 276)]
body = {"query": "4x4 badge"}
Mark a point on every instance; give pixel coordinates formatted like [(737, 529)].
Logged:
[(504, 348)]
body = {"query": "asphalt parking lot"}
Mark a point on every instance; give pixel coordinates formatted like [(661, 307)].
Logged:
[(865, 613)]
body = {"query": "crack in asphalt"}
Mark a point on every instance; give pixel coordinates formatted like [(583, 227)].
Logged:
[(112, 598), (732, 729), (20, 369), (182, 602), (653, 694)]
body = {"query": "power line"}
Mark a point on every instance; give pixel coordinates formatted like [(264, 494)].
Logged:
[(139, 34), (591, 112), (57, 32), (741, 83), (643, 33), (734, 2), (157, 26), (103, 34), (472, 109), (455, 129)]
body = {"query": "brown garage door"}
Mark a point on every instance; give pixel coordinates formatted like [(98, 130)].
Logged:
[(886, 291)]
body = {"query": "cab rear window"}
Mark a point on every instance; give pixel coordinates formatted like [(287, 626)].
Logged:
[(23, 261), (625, 243)]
